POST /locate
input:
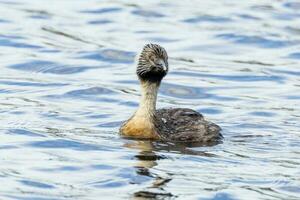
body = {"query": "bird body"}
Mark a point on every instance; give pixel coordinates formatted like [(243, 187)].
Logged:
[(173, 124)]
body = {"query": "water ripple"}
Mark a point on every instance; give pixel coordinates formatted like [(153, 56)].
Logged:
[(12, 42), (256, 40), (235, 78), (109, 55), (36, 184), (90, 91), (100, 21), (147, 13), (66, 144), (102, 10), (49, 67), (295, 55), (25, 132), (207, 18)]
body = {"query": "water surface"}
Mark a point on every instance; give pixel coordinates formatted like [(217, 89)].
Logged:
[(67, 82)]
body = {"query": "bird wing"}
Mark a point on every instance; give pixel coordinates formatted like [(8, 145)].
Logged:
[(184, 124)]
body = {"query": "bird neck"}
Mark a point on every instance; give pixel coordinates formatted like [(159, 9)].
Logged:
[(147, 105)]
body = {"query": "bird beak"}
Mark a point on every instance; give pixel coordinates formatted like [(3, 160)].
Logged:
[(162, 64)]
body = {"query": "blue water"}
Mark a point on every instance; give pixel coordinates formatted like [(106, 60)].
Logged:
[(67, 82)]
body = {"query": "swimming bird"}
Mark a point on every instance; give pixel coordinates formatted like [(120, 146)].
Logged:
[(167, 124)]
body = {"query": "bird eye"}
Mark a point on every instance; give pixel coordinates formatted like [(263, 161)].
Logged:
[(152, 58)]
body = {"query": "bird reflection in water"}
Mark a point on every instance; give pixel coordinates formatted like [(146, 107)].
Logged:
[(150, 153)]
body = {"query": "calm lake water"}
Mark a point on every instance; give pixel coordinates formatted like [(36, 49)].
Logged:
[(67, 82)]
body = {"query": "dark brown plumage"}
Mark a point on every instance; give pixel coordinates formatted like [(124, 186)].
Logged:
[(185, 125), (174, 124)]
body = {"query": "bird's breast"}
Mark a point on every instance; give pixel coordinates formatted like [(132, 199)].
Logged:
[(139, 128)]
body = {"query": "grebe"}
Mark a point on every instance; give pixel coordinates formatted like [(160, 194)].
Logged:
[(172, 124)]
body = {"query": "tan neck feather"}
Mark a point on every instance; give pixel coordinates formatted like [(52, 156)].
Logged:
[(141, 124), (147, 105)]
